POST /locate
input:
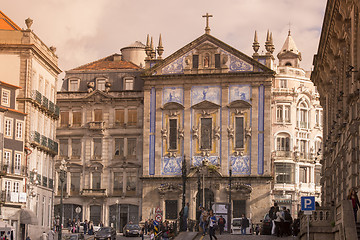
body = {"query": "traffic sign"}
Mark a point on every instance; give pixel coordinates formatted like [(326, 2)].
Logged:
[(158, 218), (158, 210), (308, 203)]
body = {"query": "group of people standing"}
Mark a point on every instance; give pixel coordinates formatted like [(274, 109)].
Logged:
[(74, 226), (282, 221)]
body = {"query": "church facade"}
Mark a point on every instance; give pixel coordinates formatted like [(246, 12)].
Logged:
[(207, 110)]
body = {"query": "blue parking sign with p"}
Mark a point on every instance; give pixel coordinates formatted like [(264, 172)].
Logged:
[(308, 203)]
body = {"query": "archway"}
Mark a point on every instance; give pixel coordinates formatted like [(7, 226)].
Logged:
[(209, 198)]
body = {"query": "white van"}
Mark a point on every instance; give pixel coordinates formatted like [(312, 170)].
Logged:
[(236, 226)]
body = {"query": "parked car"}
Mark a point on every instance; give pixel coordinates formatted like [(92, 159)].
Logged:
[(236, 226), (266, 225), (131, 230), (105, 233), (77, 236)]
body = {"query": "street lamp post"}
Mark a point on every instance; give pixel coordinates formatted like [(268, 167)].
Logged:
[(62, 178), (229, 209), (183, 175), (117, 213)]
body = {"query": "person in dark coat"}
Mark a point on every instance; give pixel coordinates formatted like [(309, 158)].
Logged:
[(221, 224), (354, 201)]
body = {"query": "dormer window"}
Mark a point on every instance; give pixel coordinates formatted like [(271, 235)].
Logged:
[(73, 85), (195, 61), (100, 84), (129, 83)]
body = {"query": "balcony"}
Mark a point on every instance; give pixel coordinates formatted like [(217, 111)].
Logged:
[(283, 154), (44, 141), (98, 125), (93, 192), (302, 124), (5, 170), (35, 138), (12, 197), (45, 104), (51, 183), (44, 181), (305, 155)]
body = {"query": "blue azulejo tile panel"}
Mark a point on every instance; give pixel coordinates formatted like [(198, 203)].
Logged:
[(239, 65), (173, 94), (176, 67), (239, 92), (240, 164), (261, 129), (152, 155), (208, 93), (171, 165), (197, 160)]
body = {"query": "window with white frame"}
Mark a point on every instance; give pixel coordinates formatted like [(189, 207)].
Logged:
[(173, 131), (5, 98), (284, 173), (43, 215), (283, 113), (283, 83), (7, 186), (16, 187), (100, 84), (303, 148), (239, 132), (7, 160), (19, 130), (129, 83), (17, 163), (73, 85), (304, 174), (206, 133), (283, 143), (8, 127), (303, 114)]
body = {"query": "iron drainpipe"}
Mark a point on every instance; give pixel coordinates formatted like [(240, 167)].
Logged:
[(26, 163)]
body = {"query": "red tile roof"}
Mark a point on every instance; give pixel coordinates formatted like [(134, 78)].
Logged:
[(108, 63), (7, 24)]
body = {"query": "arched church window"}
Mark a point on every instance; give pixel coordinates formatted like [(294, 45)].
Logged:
[(288, 64), (239, 132)]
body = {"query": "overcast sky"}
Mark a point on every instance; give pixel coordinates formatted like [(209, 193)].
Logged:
[(86, 30)]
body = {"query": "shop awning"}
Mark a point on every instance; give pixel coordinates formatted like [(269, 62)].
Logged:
[(26, 216)]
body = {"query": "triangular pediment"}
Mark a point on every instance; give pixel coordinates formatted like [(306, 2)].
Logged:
[(206, 105), (239, 104), (207, 55), (97, 96)]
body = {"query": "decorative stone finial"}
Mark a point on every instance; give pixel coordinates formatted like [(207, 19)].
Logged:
[(28, 23), (153, 52), (271, 42), (160, 48), (147, 47), (256, 44), (207, 28), (267, 42)]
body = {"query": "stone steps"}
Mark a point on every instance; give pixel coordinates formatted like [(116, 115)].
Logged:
[(358, 230)]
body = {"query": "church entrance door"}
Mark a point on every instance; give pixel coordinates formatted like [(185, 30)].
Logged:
[(209, 198)]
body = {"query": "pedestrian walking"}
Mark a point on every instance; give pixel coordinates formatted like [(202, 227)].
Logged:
[(279, 222), (221, 224), (203, 220), (354, 201), (287, 222), (185, 216), (212, 225), (86, 226), (244, 224)]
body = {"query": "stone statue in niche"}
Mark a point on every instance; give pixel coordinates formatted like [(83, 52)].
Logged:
[(230, 131), (195, 132), (188, 61), (90, 86), (164, 133), (181, 133), (217, 132), (206, 61), (224, 59)]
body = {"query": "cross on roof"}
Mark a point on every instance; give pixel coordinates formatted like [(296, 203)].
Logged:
[(207, 28), (289, 28)]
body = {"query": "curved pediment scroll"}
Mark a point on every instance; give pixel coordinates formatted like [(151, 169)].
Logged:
[(239, 104), (206, 105), (172, 106)]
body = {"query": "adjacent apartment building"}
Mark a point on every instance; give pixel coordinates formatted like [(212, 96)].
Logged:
[(100, 136), (27, 62), (296, 131)]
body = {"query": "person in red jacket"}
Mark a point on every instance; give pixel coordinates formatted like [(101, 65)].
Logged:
[(355, 202)]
